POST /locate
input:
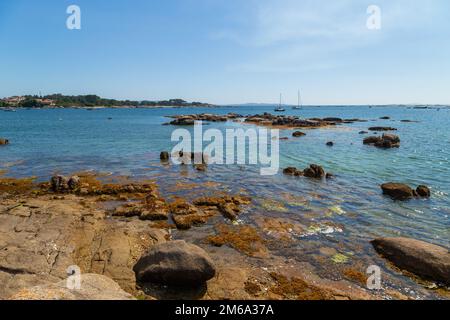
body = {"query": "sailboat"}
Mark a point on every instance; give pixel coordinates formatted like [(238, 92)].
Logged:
[(280, 108), (298, 102)]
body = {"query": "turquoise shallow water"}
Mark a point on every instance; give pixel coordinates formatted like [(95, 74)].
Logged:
[(44, 142)]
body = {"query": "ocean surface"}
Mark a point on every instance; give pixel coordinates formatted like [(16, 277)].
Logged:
[(344, 213)]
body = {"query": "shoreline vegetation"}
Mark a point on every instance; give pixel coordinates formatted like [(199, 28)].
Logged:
[(90, 101)]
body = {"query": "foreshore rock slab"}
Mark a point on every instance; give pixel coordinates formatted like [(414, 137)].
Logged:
[(424, 259), (41, 237), (175, 263), (92, 287)]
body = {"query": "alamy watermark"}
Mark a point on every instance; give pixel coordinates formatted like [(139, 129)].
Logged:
[(73, 281), (374, 279), (238, 146), (374, 20), (73, 22)]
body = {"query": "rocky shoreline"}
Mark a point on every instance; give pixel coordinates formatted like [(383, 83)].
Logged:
[(127, 232)]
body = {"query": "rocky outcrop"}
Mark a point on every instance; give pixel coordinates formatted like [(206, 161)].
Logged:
[(175, 263), (188, 120), (401, 191), (298, 134), (424, 259), (386, 141), (92, 287), (40, 237), (397, 191), (4, 142), (314, 171)]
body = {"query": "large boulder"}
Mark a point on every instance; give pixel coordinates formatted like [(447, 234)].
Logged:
[(397, 191), (4, 142), (175, 263), (92, 287), (424, 259)]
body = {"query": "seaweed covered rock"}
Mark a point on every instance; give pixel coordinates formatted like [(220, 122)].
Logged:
[(175, 263), (421, 258)]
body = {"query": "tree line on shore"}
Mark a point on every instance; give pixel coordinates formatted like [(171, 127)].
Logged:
[(31, 101)]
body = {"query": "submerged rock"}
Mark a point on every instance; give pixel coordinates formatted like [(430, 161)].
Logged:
[(175, 263), (93, 287), (397, 191), (421, 258)]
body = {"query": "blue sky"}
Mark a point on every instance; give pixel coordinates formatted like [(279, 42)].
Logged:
[(229, 51)]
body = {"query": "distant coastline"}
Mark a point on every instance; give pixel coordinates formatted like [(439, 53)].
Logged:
[(90, 102)]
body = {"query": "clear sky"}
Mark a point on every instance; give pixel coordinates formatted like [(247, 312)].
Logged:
[(229, 51)]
